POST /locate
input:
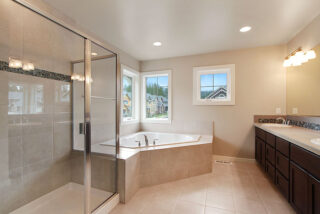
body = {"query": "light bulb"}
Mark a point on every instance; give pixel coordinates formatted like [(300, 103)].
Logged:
[(28, 66), (286, 63), (15, 63), (301, 57), (295, 60), (311, 54)]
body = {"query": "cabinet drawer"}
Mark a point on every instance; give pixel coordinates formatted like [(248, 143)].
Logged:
[(271, 139), (282, 164), (307, 160), (270, 154), (282, 184), (261, 134), (282, 146), (270, 170)]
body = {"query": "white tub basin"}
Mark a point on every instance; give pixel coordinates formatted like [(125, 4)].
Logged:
[(276, 125)]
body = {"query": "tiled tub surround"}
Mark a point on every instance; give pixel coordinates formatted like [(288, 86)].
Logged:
[(156, 165), (296, 135)]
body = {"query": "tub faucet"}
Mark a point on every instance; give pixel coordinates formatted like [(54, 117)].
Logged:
[(146, 140)]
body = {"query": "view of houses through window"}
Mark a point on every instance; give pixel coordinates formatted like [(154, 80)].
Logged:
[(156, 96), (127, 97), (213, 86)]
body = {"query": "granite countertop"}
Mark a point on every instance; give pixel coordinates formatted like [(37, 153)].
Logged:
[(299, 136)]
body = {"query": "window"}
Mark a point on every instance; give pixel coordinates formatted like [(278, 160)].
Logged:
[(130, 95), (156, 99), (214, 85)]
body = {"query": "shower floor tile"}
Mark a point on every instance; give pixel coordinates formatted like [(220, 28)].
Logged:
[(68, 199)]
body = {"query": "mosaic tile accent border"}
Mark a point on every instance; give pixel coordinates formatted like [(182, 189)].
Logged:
[(303, 124), (4, 66), (306, 125)]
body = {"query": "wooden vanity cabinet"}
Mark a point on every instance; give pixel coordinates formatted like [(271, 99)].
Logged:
[(314, 196), (294, 171)]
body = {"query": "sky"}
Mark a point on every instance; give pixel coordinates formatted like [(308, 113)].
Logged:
[(213, 80), (162, 80), (127, 81)]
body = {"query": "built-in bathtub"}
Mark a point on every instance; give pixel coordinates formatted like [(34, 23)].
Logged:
[(138, 140), (168, 157)]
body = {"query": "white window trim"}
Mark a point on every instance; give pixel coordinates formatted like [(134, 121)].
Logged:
[(143, 97), (125, 70), (229, 69)]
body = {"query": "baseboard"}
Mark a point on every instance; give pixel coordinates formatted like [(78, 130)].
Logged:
[(108, 205), (231, 159)]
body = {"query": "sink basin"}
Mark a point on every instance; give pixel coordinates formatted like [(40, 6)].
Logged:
[(276, 125), (315, 141)]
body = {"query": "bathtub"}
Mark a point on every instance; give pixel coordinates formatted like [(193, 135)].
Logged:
[(137, 140)]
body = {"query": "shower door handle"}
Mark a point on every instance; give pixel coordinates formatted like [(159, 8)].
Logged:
[(82, 128)]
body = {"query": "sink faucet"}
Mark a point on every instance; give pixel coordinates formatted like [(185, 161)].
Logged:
[(283, 120), (146, 140)]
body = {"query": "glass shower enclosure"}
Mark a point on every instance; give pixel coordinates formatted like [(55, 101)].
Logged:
[(59, 101)]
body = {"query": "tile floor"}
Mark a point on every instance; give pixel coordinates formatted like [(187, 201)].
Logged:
[(238, 188)]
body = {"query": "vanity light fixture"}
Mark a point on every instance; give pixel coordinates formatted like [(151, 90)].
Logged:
[(245, 29), (298, 57), (28, 66), (15, 63), (157, 44)]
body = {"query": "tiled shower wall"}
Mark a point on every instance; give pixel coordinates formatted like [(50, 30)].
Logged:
[(35, 148), (35, 112)]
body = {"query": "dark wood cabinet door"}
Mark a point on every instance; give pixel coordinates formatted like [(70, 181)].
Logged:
[(263, 153), (298, 189), (282, 184), (314, 196), (282, 164), (270, 154), (271, 171), (258, 150)]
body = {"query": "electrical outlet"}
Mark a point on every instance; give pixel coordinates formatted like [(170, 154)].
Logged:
[(295, 110), (278, 110)]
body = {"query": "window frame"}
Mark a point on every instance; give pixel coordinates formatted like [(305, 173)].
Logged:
[(144, 75), (135, 75), (229, 69)]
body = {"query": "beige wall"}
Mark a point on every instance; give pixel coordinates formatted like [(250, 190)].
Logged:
[(308, 38), (260, 88)]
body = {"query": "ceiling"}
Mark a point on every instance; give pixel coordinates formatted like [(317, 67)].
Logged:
[(187, 27)]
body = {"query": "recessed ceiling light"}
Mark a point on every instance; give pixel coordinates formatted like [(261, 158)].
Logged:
[(245, 29), (157, 44), (94, 54)]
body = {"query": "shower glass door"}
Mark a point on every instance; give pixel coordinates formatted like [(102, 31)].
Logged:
[(103, 125)]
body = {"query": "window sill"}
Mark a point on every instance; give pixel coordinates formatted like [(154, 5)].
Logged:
[(215, 103), (159, 121), (127, 122)]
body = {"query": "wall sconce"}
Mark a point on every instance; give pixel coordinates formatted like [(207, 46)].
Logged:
[(298, 57), (15, 63)]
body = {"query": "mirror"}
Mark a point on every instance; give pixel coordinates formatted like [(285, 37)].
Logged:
[(303, 87)]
